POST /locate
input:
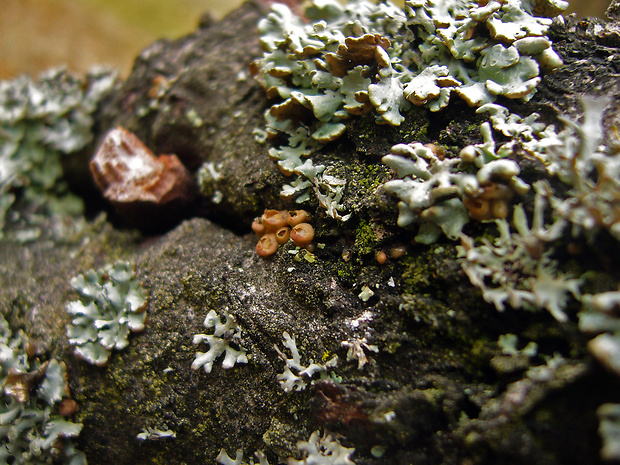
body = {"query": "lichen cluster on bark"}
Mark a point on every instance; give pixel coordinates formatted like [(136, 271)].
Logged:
[(439, 390)]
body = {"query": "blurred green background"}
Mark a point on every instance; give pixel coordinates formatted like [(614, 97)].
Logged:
[(38, 34)]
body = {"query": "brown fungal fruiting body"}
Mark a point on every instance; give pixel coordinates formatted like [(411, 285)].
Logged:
[(302, 234), (283, 235), (274, 228), (274, 219), (258, 227), (267, 245), (295, 217), (381, 257), (492, 203)]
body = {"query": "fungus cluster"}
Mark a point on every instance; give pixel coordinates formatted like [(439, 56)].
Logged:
[(277, 227)]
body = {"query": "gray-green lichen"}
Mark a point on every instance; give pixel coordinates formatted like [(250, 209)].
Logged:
[(40, 122), (111, 303), (296, 375), (317, 450), (224, 332), (518, 267), (361, 57), (30, 430)]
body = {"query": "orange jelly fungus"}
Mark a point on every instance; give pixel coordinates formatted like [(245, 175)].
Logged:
[(302, 234), (297, 216), (274, 219), (267, 245), (283, 235)]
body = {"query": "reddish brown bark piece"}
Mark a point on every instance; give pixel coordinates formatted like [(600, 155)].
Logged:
[(127, 172)]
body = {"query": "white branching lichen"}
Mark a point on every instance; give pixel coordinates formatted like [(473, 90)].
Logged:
[(295, 375), (111, 303), (224, 459), (357, 351), (317, 450), (224, 333), (508, 343), (323, 450)]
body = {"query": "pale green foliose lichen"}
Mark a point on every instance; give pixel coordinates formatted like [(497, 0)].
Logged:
[(40, 122), (224, 333), (364, 57), (30, 431), (111, 303)]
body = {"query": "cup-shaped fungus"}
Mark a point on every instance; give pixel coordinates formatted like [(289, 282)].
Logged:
[(258, 227), (295, 217), (302, 234), (283, 235), (274, 219), (267, 245)]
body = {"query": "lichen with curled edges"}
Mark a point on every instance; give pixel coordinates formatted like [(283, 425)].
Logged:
[(40, 122), (111, 303), (361, 57), (30, 430)]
